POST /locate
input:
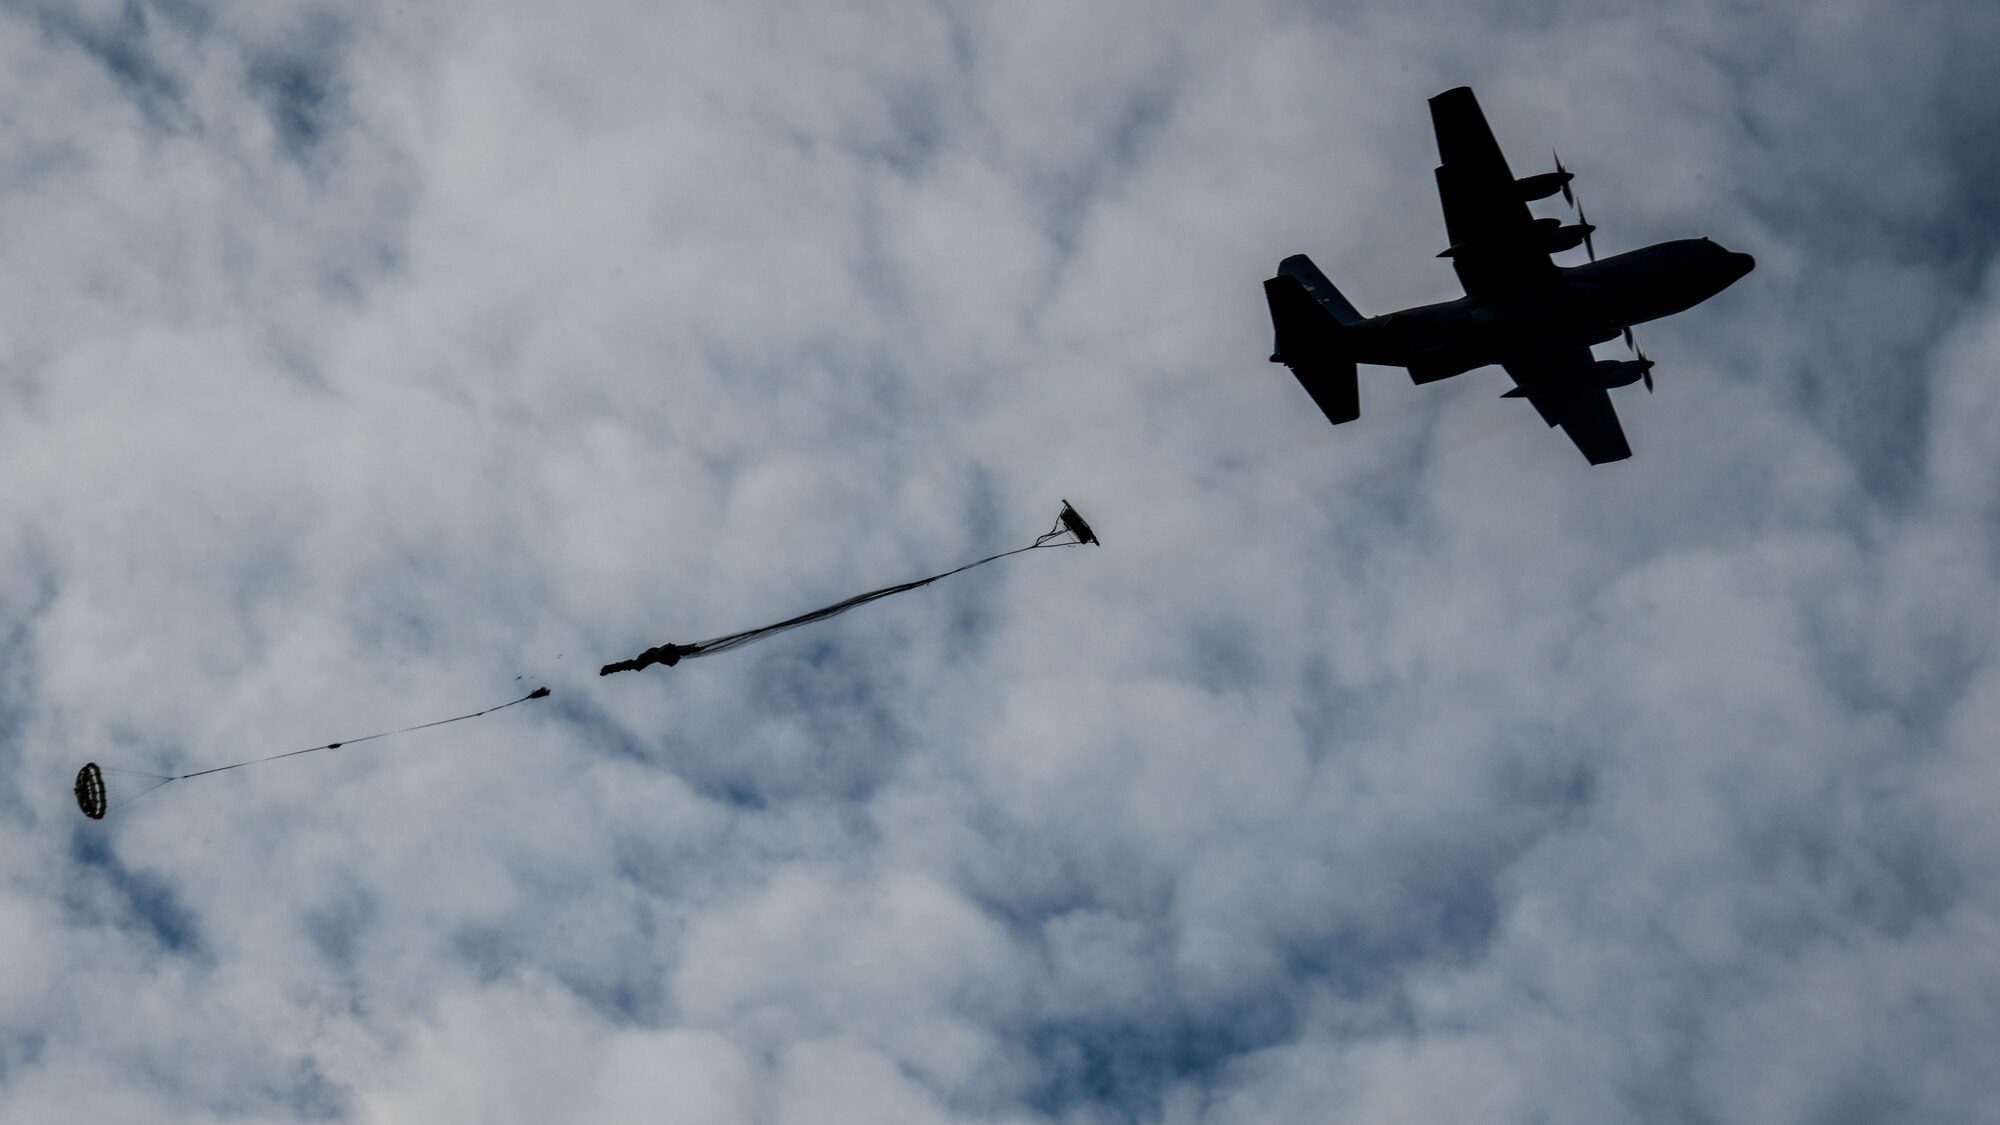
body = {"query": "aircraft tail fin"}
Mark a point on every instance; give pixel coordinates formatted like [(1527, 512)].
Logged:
[(1309, 343)]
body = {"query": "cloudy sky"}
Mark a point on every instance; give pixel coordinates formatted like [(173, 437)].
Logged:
[(357, 359)]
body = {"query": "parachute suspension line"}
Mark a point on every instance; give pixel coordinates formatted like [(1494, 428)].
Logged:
[(1068, 524), (535, 694), (100, 789)]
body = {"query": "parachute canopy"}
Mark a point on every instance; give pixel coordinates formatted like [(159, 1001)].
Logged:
[(1070, 530), (1073, 523), (90, 791)]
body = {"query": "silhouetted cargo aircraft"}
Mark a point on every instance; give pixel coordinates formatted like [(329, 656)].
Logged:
[(1520, 310)]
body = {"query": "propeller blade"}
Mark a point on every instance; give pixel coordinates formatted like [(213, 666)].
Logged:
[(1569, 196), (1629, 345), (1583, 220), (1645, 366)]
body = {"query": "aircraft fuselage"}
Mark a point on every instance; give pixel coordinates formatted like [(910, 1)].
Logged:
[(1581, 306)]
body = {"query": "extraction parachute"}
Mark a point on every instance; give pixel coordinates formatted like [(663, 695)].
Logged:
[(100, 789), (1070, 530)]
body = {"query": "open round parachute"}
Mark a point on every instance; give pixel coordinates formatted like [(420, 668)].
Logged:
[(90, 791), (99, 789)]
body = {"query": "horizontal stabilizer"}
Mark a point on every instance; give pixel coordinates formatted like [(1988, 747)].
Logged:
[(1309, 344), (1334, 386), (1301, 267)]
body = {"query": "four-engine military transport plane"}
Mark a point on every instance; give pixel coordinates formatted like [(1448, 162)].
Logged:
[(1520, 310)]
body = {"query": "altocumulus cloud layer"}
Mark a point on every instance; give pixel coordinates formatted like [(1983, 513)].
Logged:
[(355, 360)]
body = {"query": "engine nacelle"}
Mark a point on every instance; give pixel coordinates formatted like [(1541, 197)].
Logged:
[(1608, 373), (1552, 234), (1541, 186), (1561, 238)]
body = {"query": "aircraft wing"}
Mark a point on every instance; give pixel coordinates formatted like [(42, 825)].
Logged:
[(1556, 384), (1494, 245)]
